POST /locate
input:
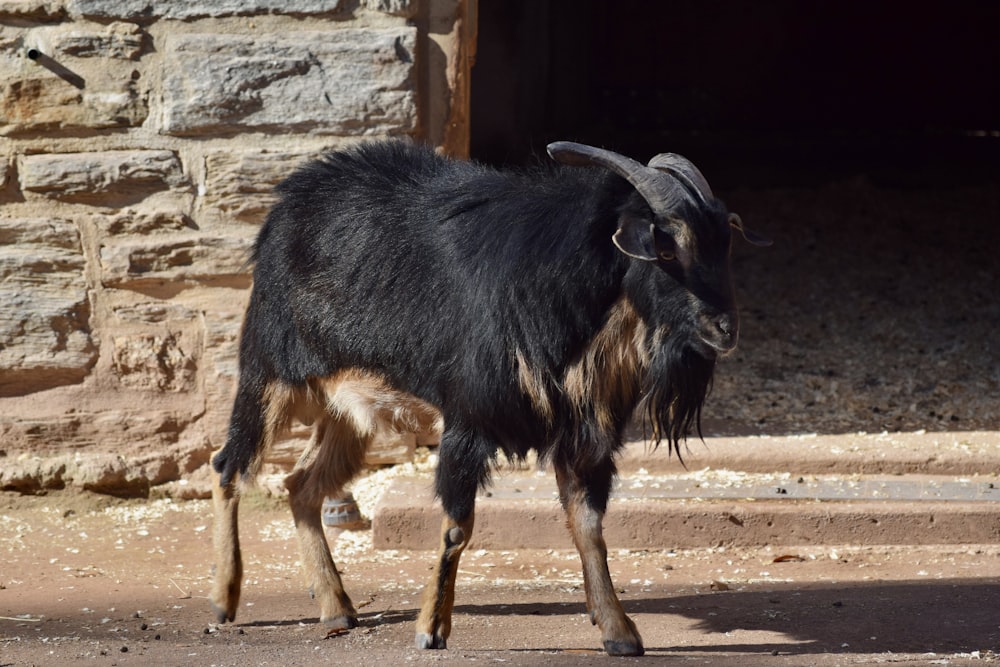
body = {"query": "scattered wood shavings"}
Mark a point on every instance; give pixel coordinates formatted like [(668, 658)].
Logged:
[(789, 558)]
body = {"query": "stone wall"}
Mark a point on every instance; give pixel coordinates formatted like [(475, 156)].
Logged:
[(140, 142)]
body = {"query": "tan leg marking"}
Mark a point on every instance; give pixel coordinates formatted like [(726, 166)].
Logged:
[(618, 632), (225, 595), (334, 455), (434, 622), (349, 408), (346, 409)]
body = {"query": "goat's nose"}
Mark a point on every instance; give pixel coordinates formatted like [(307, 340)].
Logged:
[(725, 323)]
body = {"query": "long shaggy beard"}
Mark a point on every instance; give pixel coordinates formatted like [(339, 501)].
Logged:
[(677, 382)]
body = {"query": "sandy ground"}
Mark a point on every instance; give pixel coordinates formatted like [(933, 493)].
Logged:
[(875, 310), (88, 579)]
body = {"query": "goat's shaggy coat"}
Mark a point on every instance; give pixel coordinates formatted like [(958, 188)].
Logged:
[(395, 288)]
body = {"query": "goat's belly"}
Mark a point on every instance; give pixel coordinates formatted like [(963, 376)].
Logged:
[(369, 403)]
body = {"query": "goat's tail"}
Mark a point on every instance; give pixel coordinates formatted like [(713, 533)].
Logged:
[(259, 413)]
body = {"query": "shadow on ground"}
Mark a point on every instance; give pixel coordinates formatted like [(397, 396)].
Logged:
[(941, 617)]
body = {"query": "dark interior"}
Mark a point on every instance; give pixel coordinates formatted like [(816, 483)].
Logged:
[(765, 92), (863, 137)]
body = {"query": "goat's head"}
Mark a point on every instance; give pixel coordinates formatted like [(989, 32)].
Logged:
[(681, 233), (678, 236)]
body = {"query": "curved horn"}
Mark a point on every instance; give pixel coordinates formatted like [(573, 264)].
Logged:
[(682, 168), (660, 193)]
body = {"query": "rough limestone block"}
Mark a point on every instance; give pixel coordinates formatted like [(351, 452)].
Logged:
[(347, 81), (155, 362), (117, 40), (44, 321), (241, 184), (133, 263), (106, 177), (95, 92), (38, 10), (153, 312), (186, 9), (160, 220), (405, 8), (49, 104), (33, 475)]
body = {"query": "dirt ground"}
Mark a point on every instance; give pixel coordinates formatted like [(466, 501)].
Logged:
[(89, 579), (875, 310)]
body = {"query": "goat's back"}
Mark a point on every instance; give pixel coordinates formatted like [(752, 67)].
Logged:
[(439, 275)]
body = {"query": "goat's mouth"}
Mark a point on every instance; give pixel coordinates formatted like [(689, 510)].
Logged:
[(716, 345)]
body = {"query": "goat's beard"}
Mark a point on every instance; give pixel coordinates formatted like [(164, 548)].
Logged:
[(676, 384)]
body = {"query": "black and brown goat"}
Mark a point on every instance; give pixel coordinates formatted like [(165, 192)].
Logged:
[(508, 310)]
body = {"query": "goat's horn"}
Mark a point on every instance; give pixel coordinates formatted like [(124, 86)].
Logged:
[(661, 193), (683, 169)]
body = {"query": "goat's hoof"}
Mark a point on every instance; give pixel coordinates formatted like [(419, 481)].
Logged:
[(222, 615), (425, 640), (627, 647), (345, 622)]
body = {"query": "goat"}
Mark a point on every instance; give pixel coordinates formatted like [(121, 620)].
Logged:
[(508, 310)]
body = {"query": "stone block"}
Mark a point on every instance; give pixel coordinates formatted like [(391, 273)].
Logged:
[(108, 474), (156, 221), (133, 263), (36, 10), (123, 41), (155, 362), (185, 9), (348, 81), (404, 8), (33, 475), (106, 177), (45, 337), (153, 312), (240, 185), (102, 94)]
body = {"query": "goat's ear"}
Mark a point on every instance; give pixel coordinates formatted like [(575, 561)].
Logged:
[(751, 236), (635, 238)]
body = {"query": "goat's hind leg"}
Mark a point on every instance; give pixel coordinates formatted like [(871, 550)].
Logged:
[(333, 457), (228, 575), (585, 496), (251, 429)]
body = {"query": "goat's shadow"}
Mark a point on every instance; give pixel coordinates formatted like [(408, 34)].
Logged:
[(942, 617), (365, 620), (900, 617), (948, 616)]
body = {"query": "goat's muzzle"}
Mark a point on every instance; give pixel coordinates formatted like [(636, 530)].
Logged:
[(720, 332)]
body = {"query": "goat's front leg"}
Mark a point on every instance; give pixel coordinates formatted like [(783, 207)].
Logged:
[(434, 622), (585, 500), (225, 595), (460, 471)]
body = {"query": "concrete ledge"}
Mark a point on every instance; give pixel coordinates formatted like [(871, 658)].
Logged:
[(937, 453), (522, 511)]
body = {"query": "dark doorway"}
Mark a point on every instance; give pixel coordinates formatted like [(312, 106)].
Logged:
[(864, 137), (793, 89)]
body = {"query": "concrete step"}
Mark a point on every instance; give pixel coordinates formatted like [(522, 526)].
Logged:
[(897, 489), (719, 508), (936, 453)]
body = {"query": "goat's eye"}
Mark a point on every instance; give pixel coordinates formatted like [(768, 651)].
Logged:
[(666, 255)]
